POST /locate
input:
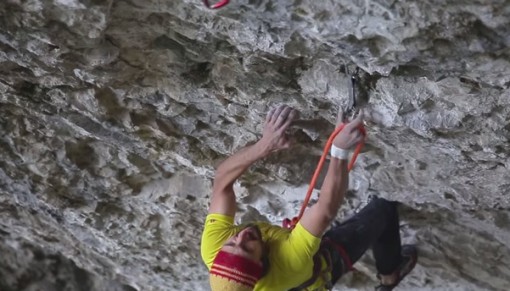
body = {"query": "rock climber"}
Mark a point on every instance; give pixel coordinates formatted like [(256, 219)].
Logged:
[(261, 256)]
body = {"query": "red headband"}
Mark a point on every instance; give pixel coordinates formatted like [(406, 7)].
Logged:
[(236, 268)]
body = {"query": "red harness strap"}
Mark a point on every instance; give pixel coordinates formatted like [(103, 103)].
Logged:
[(327, 246), (317, 270), (343, 254)]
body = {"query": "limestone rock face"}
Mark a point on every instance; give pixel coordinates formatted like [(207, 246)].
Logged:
[(113, 115)]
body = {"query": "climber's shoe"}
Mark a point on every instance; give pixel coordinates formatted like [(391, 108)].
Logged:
[(409, 259)]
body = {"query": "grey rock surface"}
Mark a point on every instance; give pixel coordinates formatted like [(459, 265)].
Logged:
[(113, 115)]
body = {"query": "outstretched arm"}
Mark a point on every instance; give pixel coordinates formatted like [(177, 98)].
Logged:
[(223, 199), (317, 219)]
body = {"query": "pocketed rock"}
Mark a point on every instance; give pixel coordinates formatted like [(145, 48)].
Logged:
[(113, 115)]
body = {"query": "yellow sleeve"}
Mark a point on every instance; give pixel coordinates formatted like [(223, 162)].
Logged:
[(297, 251), (218, 228)]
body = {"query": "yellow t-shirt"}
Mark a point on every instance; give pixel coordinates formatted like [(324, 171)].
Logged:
[(290, 252)]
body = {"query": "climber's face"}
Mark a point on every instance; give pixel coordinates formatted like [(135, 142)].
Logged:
[(246, 243)]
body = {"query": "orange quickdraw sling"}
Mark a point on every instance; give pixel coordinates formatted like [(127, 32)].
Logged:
[(291, 223)]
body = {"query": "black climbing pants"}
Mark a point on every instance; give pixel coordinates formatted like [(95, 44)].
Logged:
[(376, 226)]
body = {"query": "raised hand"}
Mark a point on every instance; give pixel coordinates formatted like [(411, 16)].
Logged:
[(277, 122), (350, 136)]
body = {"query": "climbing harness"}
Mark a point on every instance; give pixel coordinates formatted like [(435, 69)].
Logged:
[(217, 5), (327, 251), (324, 252), (291, 223)]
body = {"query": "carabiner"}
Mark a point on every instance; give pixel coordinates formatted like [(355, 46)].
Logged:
[(352, 106), (290, 223), (219, 4)]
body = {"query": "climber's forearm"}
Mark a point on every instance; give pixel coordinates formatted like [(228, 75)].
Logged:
[(334, 187), (233, 167), (223, 197), (318, 218), (278, 120)]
